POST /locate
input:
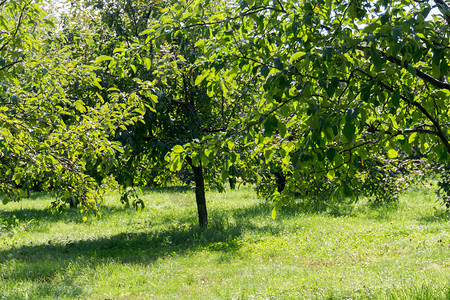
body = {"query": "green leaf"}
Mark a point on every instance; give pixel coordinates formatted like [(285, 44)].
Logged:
[(265, 71), (119, 50), (102, 58), (278, 63), (351, 115), (200, 77), (412, 137), (205, 159), (16, 178), (425, 12), (349, 131), (296, 56), (79, 105), (199, 43), (175, 164), (371, 27), (331, 175), (396, 33), (224, 174), (330, 153), (96, 83), (392, 153), (282, 129), (376, 58), (269, 125), (444, 67), (147, 63), (50, 23), (274, 213), (177, 149), (147, 31), (396, 98)]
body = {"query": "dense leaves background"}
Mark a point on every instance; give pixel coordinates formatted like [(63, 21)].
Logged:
[(330, 100)]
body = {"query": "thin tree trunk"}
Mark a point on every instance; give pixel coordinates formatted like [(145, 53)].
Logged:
[(232, 181), (199, 192), (280, 180), (73, 203)]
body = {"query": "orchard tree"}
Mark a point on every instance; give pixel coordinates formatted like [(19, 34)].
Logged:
[(337, 81), (46, 136), (163, 73)]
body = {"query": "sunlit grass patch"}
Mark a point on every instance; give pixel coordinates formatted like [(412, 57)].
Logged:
[(352, 251)]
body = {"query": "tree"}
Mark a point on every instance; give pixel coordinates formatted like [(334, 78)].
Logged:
[(46, 135), (163, 73), (338, 82)]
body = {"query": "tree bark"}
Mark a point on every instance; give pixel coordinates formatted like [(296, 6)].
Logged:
[(232, 181), (280, 180), (73, 203), (199, 192)]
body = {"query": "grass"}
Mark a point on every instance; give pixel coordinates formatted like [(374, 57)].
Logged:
[(335, 252)]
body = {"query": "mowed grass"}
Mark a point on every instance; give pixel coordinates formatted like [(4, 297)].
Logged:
[(336, 252)]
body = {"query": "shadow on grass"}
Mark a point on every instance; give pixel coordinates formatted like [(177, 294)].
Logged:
[(379, 211), (24, 215), (145, 247), (52, 281), (301, 206), (44, 262), (50, 266)]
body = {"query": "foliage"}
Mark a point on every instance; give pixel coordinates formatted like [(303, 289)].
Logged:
[(332, 83), (302, 98), (383, 179), (164, 75), (49, 136)]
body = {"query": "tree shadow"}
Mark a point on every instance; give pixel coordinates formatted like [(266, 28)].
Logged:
[(379, 211), (24, 215), (44, 274), (222, 234), (301, 206), (135, 248), (144, 247), (42, 263)]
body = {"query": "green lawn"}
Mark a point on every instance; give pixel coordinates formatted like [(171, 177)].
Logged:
[(341, 252)]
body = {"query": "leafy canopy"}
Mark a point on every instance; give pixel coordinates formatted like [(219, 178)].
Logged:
[(335, 82)]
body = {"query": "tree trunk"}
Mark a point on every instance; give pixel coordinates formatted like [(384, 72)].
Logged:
[(280, 180), (73, 203), (199, 192), (232, 181)]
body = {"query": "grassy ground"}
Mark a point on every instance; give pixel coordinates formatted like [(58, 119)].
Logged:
[(341, 252)]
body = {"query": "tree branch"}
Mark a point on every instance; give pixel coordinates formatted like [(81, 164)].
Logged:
[(244, 14), (439, 132), (407, 66), (10, 65), (281, 5), (444, 9), (424, 76)]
